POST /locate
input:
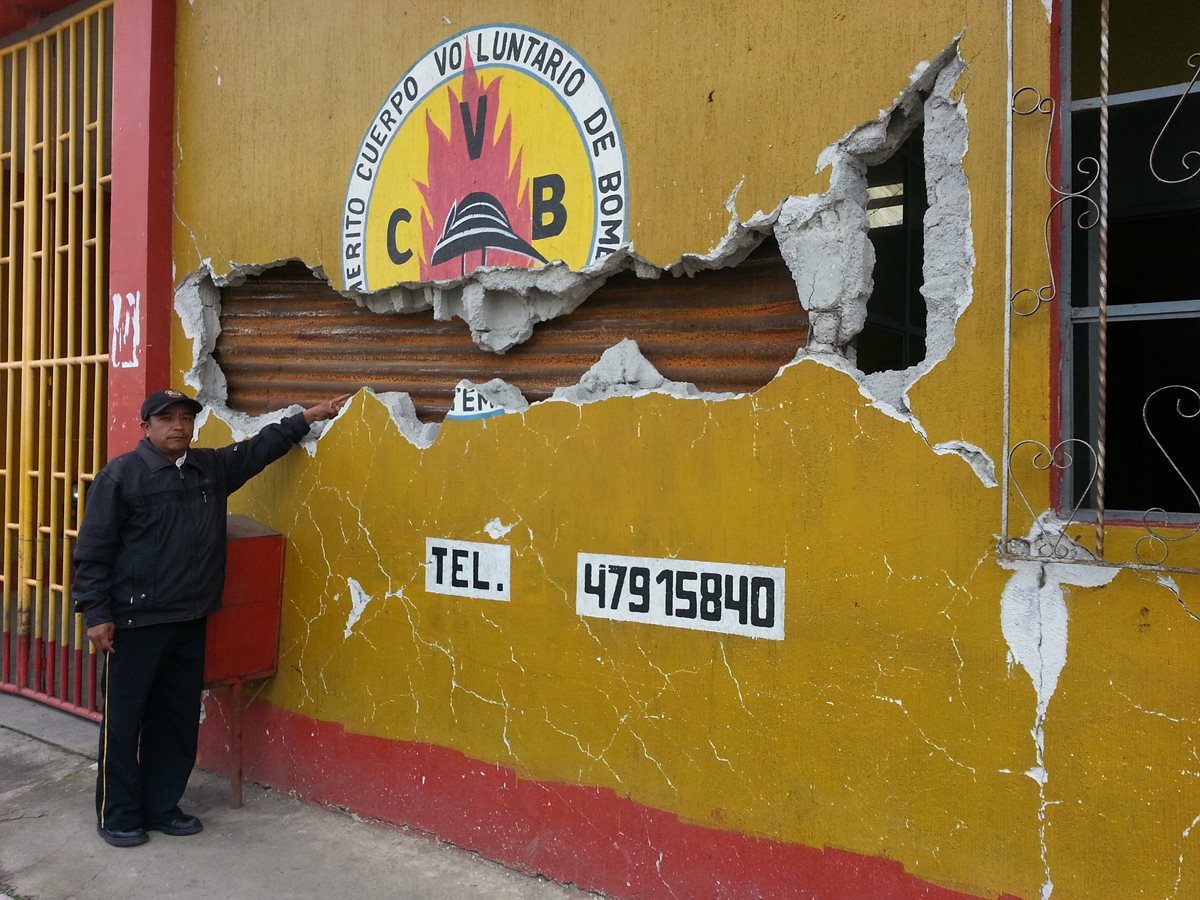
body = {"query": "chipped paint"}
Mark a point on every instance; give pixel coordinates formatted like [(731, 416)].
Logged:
[(358, 604), (894, 720), (497, 529)]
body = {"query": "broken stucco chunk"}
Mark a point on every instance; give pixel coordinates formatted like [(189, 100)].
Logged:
[(622, 371), (502, 305), (740, 240), (825, 245), (198, 305), (500, 393), (824, 237), (404, 414)]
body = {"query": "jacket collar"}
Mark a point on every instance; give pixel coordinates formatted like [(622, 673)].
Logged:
[(152, 456)]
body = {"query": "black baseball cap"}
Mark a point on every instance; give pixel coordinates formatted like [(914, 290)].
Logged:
[(160, 400)]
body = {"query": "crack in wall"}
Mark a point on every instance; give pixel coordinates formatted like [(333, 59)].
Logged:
[(825, 244), (823, 239), (1033, 618), (1179, 870), (1170, 584), (939, 748)]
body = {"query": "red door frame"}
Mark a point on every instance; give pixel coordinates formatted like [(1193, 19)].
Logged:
[(143, 121)]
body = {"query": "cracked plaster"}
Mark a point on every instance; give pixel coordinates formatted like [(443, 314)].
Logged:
[(823, 239), (1033, 618)]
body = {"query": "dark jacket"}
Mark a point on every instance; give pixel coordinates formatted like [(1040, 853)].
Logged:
[(151, 548)]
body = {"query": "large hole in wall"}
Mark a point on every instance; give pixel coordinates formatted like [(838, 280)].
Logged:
[(288, 337), (894, 334), (875, 270)]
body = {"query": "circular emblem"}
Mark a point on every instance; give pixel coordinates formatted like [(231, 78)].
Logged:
[(497, 148)]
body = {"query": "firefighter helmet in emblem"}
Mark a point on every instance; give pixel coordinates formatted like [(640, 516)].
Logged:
[(499, 147)]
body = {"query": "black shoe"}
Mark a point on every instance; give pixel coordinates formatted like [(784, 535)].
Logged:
[(178, 825), (123, 838)]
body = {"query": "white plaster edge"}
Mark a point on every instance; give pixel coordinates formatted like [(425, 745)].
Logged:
[(1034, 620)]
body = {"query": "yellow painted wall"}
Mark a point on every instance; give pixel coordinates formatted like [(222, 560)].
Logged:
[(891, 721)]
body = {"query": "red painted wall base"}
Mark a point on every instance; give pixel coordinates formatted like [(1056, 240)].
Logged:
[(590, 837)]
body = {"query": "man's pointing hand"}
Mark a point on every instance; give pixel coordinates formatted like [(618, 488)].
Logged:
[(326, 409)]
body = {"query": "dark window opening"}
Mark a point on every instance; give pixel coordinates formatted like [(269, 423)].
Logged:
[(288, 337), (1143, 356), (1152, 271), (894, 334)]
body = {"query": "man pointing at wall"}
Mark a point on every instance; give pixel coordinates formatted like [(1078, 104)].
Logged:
[(149, 567)]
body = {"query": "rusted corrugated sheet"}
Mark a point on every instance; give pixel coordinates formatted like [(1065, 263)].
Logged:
[(287, 337)]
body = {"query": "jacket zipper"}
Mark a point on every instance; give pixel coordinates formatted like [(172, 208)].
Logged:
[(192, 515)]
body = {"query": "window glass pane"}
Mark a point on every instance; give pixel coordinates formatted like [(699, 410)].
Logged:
[(1154, 228), (1148, 44), (1142, 357)]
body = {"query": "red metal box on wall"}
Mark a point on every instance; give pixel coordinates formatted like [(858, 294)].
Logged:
[(243, 636)]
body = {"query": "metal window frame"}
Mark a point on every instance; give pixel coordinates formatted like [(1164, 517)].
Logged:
[(1069, 315), (1048, 540), (1128, 97)]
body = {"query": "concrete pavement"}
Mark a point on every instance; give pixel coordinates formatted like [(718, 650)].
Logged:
[(274, 846)]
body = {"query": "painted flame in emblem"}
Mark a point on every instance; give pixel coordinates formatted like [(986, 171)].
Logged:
[(477, 208)]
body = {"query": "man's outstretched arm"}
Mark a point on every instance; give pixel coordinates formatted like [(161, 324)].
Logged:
[(243, 460)]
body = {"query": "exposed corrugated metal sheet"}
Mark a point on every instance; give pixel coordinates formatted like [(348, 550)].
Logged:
[(287, 337)]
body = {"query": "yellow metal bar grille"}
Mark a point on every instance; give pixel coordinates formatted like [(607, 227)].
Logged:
[(54, 182)]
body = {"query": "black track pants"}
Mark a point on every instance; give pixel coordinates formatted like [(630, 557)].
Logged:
[(151, 685)]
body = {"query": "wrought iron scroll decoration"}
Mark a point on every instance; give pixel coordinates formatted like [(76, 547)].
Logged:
[(1089, 167), (1062, 457), (1191, 158), (1153, 548)]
